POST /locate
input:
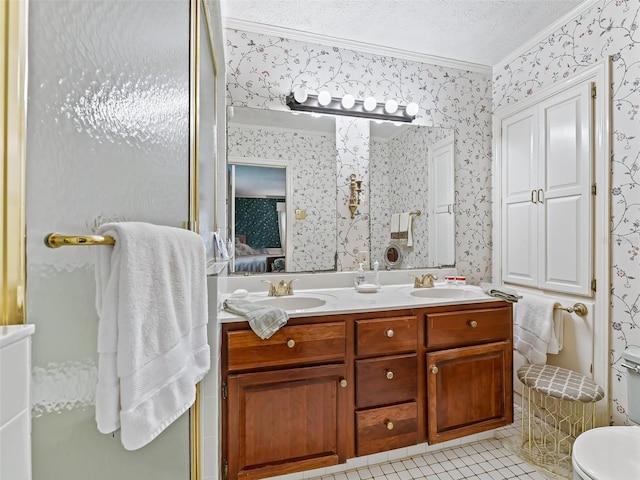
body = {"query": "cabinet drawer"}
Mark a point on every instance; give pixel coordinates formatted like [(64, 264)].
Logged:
[(468, 327), (295, 344), (380, 381), (381, 336), (386, 428)]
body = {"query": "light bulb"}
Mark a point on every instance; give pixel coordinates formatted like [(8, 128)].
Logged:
[(412, 109), (370, 104), (348, 101), (391, 106), (300, 95), (324, 98)]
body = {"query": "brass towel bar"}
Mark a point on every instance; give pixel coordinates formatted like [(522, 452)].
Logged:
[(578, 308), (56, 240), (417, 213)]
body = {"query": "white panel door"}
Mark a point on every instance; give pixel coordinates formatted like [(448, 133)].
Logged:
[(566, 227), (519, 180), (443, 160)]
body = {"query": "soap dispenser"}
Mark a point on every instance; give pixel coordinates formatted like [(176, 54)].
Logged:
[(359, 278)]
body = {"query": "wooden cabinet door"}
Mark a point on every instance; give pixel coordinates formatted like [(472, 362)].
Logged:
[(285, 421), (469, 390)]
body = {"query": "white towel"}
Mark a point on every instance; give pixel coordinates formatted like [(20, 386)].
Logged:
[(395, 228), (533, 327), (151, 298), (406, 238)]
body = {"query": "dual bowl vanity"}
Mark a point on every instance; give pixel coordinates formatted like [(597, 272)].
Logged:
[(353, 374)]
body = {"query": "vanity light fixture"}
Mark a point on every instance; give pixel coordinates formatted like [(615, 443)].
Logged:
[(348, 105)]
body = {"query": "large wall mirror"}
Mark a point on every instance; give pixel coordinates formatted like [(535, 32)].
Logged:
[(293, 227)]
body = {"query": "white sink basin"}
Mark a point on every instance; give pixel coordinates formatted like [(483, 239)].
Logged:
[(445, 292), (294, 302)]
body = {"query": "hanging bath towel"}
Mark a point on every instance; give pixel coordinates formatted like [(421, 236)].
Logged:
[(151, 298)]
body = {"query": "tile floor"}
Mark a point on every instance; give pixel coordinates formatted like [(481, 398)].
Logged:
[(489, 459)]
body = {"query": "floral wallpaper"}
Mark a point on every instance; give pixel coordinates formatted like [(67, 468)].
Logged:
[(397, 192), (609, 29), (257, 218), (352, 142), (262, 70), (312, 159)]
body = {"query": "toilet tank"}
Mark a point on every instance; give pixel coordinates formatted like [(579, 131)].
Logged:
[(631, 358)]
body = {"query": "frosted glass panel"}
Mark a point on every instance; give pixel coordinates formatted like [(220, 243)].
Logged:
[(107, 139)]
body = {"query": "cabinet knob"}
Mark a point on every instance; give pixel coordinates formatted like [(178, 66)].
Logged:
[(434, 369), (389, 333), (473, 323), (389, 424), (291, 343), (343, 383), (389, 374)]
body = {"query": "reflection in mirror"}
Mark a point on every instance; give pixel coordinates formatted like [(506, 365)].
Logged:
[(306, 147), (411, 167), (392, 257), (259, 219)]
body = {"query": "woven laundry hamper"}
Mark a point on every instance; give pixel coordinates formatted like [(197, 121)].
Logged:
[(557, 405)]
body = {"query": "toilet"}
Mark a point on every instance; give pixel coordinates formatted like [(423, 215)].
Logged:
[(613, 453)]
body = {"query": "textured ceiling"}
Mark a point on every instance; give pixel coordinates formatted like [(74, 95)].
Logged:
[(477, 31)]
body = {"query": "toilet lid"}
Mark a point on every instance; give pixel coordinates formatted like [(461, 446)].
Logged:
[(609, 453)]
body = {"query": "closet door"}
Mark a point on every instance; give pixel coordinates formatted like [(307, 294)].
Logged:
[(442, 201), (519, 190), (565, 221)]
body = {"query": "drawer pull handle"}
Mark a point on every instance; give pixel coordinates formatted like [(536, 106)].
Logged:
[(473, 323), (389, 374), (389, 424), (343, 383), (434, 369), (389, 333), (291, 343)]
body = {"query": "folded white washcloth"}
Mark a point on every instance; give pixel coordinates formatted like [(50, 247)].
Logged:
[(151, 297), (533, 327), (263, 320)]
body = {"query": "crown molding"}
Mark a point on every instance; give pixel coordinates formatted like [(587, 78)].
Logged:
[(263, 29), (543, 34)]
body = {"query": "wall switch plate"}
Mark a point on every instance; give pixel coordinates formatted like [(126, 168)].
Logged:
[(301, 214), (363, 257)]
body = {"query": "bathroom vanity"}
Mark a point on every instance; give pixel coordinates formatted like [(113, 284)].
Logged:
[(335, 384)]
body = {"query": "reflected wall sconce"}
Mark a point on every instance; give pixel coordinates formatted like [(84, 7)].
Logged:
[(355, 188), (301, 101)]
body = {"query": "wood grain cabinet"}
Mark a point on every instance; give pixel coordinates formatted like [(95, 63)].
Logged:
[(324, 389), (284, 400), (469, 383), (386, 394)]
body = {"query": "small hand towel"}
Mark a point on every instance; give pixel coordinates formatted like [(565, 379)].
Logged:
[(151, 297), (405, 236), (263, 320), (533, 327), (395, 228), (501, 292)]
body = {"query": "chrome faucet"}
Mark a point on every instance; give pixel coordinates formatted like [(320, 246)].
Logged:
[(426, 281), (283, 288)]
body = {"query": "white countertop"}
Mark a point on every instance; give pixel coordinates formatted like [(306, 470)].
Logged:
[(388, 297), (12, 333)]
